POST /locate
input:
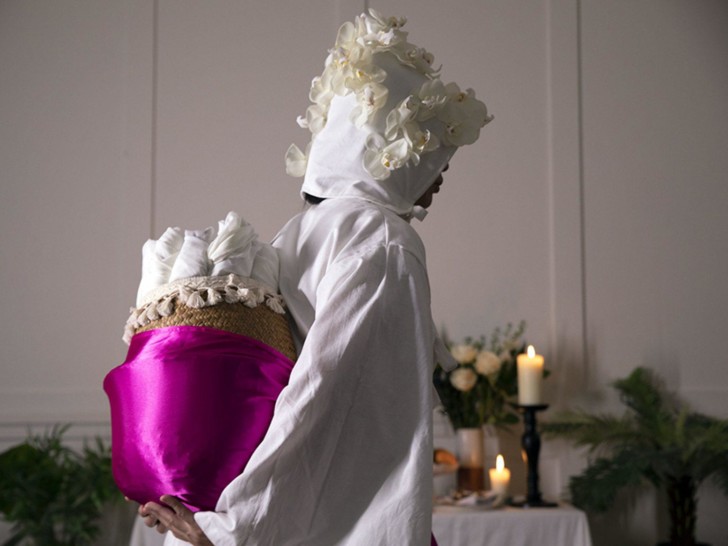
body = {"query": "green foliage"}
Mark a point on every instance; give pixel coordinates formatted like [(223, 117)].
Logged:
[(598, 486), (52, 494), (657, 440), (487, 401)]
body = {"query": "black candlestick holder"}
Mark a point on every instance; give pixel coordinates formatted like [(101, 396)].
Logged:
[(531, 444)]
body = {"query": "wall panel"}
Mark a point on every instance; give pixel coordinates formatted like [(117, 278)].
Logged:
[(71, 184), (655, 135), (231, 83)]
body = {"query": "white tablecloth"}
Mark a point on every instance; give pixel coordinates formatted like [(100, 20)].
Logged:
[(561, 526)]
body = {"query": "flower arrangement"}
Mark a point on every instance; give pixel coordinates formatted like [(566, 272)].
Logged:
[(352, 69), (477, 391)]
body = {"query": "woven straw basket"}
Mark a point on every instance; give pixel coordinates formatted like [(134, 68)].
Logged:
[(231, 303)]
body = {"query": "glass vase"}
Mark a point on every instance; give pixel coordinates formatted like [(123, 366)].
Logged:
[(471, 459)]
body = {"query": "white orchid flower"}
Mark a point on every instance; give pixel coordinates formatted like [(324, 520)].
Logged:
[(379, 32), (383, 41), (462, 106), (296, 161), (387, 22), (361, 76), (374, 23), (461, 134), (389, 38), (463, 379), (416, 57), (464, 116), (420, 141), (381, 160), (432, 96), (399, 116), (360, 55), (371, 97), (315, 118), (347, 36), (321, 89), (339, 68), (342, 64)]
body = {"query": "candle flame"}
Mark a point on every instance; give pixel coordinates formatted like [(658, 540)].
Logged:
[(531, 351), (499, 463)]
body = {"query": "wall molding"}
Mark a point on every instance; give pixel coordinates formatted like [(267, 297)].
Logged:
[(59, 405), (79, 432)]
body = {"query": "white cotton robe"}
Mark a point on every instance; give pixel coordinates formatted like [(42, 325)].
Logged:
[(347, 459)]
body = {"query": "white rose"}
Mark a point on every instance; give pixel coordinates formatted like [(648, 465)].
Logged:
[(464, 354), (487, 363), (463, 379)]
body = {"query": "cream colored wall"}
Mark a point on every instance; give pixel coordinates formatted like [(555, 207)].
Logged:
[(591, 206)]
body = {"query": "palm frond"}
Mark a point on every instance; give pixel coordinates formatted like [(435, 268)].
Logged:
[(596, 488), (643, 394), (593, 430)]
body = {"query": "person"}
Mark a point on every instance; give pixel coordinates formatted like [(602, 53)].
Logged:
[(348, 455)]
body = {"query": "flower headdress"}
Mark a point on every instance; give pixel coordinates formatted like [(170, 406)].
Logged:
[(351, 68)]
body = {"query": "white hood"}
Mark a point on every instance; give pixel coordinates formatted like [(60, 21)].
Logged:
[(383, 123), (336, 158)]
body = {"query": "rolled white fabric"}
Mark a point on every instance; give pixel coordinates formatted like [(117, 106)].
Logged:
[(158, 257), (192, 260), (233, 250)]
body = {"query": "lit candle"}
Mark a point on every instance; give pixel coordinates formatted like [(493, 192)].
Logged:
[(530, 374), (500, 476)]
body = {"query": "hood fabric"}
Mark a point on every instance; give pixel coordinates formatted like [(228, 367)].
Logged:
[(336, 158), (383, 124)]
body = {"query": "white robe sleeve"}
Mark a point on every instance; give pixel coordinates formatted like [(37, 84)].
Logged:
[(348, 456)]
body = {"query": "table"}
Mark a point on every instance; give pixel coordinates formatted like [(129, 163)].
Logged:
[(561, 526)]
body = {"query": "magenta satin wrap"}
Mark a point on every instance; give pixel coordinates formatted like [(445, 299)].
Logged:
[(188, 407)]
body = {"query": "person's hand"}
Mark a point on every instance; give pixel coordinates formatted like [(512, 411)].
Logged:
[(149, 521), (177, 518)]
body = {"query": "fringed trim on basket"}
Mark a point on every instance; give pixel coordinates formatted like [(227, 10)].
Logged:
[(198, 292)]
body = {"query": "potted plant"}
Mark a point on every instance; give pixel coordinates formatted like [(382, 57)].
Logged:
[(54, 496), (658, 440)]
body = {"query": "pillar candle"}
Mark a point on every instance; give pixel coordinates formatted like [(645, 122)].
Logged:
[(530, 374), (500, 477)]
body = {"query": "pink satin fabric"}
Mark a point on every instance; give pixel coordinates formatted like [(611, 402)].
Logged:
[(188, 408)]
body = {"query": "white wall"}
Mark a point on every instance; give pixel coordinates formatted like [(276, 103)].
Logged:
[(655, 185), (591, 206)]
